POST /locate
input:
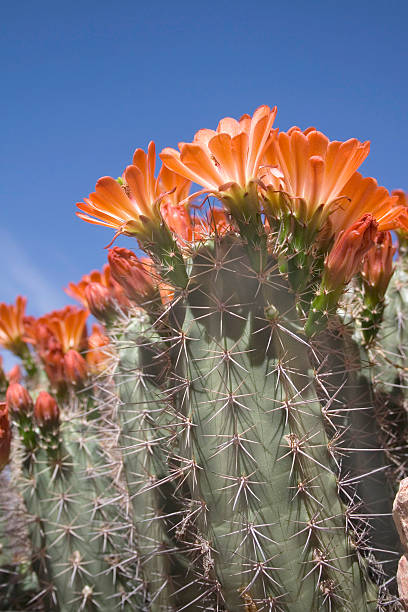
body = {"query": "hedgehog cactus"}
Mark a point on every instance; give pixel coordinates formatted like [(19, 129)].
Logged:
[(233, 436)]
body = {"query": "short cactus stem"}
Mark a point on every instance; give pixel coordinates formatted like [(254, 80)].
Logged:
[(142, 440), (66, 501), (371, 317), (293, 240), (322, 308)]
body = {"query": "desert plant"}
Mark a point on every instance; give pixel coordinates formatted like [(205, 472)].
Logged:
[(228, 441)]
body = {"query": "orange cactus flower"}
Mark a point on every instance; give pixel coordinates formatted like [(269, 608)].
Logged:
[(377, 268), (132, 205), (311, 170), (185, 228), (363, 196), (346, 257), (104, 278), (402, 200), (68, 326), (99, 353), (64, 329), (12, 325), (5, 436), (48, 347), (230, 154), (77, 291), (226, 162), (172, 187)]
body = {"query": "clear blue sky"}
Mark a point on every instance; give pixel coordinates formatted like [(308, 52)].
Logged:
[(85, 83)]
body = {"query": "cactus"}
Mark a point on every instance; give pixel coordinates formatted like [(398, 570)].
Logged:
[(70, 517), (141, 438), (232, 437), (255, 446), (389, 373)]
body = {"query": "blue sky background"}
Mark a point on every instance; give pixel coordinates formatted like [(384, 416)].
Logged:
[(85, 83)]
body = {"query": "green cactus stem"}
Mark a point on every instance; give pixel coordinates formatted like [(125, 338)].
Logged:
[(254, 445), (70, 519)]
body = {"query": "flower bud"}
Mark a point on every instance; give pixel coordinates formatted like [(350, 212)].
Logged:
[(18, 400), (133, 274), (100, 302), (75, 368), (5, 436), (346, 257), (14, 375), (46, 410), (344, 260), (377, 267)]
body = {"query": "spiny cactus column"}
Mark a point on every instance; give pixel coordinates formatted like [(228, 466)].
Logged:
[(18, 583), (142, 441), (147, 429), (344, 375), (254, 444), (71, 520), (388, 355)]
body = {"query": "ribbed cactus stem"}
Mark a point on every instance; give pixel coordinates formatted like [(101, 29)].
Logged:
[(256, 452), (71, 524), (18, 583), (389, 371), (143, 441), (346, 371)]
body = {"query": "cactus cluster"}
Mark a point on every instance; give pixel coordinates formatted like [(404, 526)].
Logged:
[(232, 433)]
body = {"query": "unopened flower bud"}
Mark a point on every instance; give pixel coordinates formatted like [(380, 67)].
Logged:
[(46, 410), (377, 267), (18, 400), (100, 302), (75, 368), (344, 260), (346, 257), (5, 436), (14, 375), (133, 274)]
